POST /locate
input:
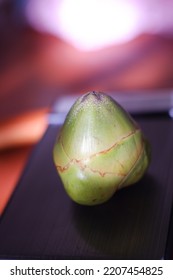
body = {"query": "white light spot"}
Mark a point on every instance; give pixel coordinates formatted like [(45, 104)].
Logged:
[(87, 25)]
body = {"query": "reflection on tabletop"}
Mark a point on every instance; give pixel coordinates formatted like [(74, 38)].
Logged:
[(39, 65)]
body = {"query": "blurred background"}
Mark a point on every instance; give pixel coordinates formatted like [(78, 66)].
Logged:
[(55, 48)]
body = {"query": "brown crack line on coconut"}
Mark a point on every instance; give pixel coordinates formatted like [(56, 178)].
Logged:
[(134, 165), (82, 166)]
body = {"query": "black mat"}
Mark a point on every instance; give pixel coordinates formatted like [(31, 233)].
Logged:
[(40, 221)]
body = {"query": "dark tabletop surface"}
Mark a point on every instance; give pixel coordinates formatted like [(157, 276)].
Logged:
[(41, 221)]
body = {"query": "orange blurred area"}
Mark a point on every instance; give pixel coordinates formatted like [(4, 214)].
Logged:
[(12, 163), (37, 68)]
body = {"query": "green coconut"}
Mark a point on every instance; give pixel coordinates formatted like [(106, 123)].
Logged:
[(99, 150)]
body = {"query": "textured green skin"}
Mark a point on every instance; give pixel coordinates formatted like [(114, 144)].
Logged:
[(100, 149)]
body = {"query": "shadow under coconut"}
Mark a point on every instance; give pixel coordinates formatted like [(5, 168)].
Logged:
[(125, 226)]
